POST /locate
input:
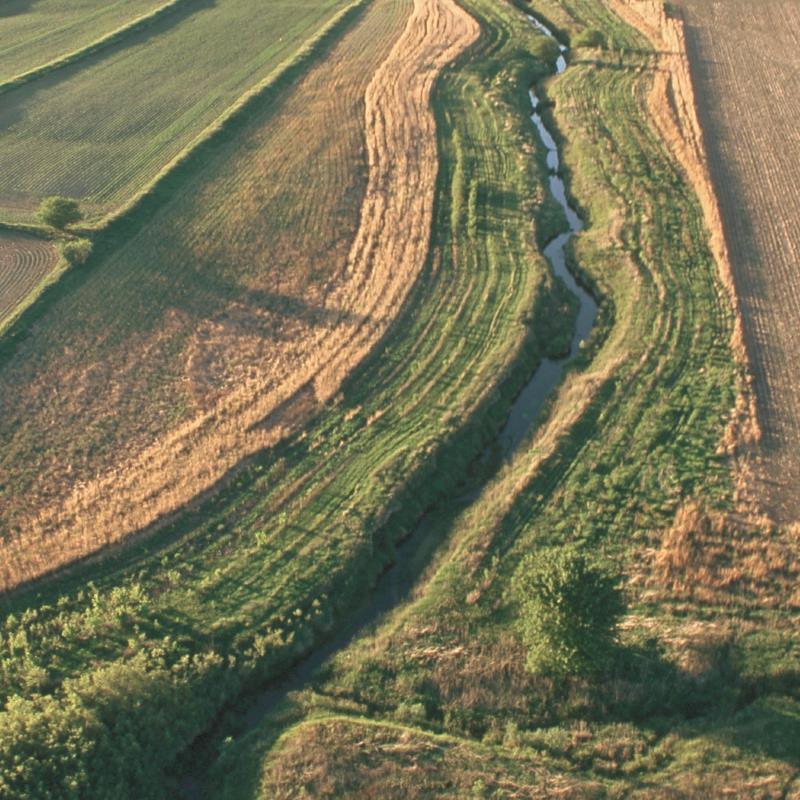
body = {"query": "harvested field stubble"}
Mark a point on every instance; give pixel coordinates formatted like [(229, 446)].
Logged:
[(745, 59)]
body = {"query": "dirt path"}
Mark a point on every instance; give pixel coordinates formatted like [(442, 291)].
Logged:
[(24, 262), (387, 254)]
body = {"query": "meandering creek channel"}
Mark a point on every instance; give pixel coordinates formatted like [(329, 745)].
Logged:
[(395, 584)]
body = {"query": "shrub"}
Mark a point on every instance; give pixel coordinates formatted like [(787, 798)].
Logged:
[(77, 251), (590, 37), (58, 212), (569, 612)]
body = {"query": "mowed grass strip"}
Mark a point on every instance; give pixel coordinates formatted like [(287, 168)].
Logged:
[(101, 128), (34, 32), (233, 591)]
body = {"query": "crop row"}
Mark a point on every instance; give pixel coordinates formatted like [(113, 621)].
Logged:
[(102, 127), (34, 34)]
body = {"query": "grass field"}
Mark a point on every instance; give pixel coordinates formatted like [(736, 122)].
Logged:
[(344, 757), (33, 32), (69, 132), (748, 98), (230, 592)]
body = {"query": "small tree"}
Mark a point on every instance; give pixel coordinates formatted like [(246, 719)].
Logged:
[(58, 212), (77, 251), (570, 610)]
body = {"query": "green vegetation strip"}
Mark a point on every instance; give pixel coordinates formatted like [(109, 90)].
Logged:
[(700, 698)]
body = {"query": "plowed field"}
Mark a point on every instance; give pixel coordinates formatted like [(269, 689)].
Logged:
[(24, 261), (746, 66)]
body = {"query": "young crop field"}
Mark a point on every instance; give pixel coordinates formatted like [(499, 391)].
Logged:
[(264, 532), (101, 128), (745, 59), (34, 32)]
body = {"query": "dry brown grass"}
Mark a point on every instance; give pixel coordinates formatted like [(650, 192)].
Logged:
[(285, 376), (710, 557), (343, 758)]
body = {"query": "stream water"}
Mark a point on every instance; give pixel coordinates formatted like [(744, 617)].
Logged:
[(396, 583), (529, 403)]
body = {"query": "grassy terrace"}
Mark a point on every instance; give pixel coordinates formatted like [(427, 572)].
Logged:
[(33, 32), (102, 127), (703, 698), (146, 647)]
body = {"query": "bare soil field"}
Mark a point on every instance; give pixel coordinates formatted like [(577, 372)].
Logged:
[(745, 62), (24, 262), (117, 482)]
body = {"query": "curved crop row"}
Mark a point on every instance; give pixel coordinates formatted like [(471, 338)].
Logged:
[(24, 262), (32, 34), (109, 39), (306, 358)]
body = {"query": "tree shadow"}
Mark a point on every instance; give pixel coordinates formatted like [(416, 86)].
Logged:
[(759, 715)]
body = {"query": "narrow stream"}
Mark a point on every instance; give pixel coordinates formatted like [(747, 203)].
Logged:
[(395, 585), (547, 376)]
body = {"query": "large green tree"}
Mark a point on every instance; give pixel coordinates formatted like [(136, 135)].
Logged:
[(569, 612)]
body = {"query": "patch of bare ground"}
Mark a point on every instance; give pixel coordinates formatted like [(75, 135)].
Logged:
[(24, 262), (286, 373), (744, 60)]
